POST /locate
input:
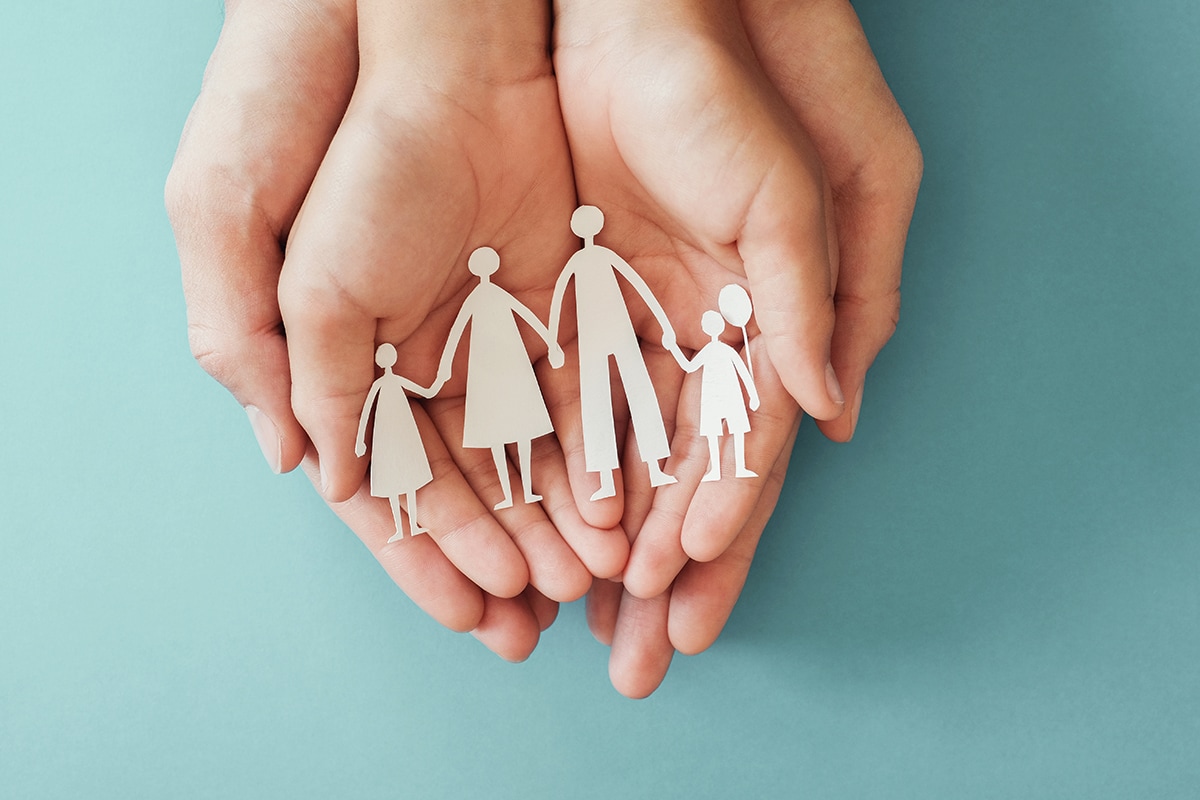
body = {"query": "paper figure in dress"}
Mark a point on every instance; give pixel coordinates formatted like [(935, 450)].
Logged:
[(504, 403), (722, 374), (606, 332), (399, 465)]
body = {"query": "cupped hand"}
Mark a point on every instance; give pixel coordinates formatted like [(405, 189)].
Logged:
[(274, 94), (452, 141), (825, 88)]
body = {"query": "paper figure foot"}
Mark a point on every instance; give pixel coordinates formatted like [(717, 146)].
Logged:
[(745, 473), (418, 529), (397, 536), (712, 475), (503, 504), (530, 497), (608, 487), (658, 477)]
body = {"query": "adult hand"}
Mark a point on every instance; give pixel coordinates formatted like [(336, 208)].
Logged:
[(274, 93), (816, 55)]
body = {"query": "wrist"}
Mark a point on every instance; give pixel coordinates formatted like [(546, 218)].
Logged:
[(448, 45)]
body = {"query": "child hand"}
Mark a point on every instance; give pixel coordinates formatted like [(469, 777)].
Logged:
[(446, 146)]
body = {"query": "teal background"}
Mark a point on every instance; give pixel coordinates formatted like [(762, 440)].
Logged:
[(994, 592)]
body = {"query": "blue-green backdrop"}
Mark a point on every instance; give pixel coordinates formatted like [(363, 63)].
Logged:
[(993, 592)]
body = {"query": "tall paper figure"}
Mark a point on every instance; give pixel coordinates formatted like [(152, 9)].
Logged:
[(605, 331), (721, 401), (504, 403), (399, 465)]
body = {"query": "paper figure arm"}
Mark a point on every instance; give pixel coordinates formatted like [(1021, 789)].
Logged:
[(447, 361), (421, 390), (560, 293), (622, 266), (360, 445), (524, 312), (685, 363), (747, 378)]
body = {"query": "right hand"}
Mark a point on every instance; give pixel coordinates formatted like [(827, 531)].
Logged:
[(360, 449)]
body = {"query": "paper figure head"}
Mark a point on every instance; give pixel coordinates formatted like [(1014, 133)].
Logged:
[(587, 221), (483, 261), (385, 355), (712, 323), (734, 303)]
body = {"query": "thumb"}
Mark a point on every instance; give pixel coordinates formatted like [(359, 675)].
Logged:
[(785, 247)]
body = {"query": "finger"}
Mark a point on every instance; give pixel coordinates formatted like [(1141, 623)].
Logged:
[(786, 252), (603, 603), (561, 390), (509, 627), (234, 189), (460, 525), (545, 609), (657, 554), (873, 163), (415, 563), (704, 594), (554, 568), (602, 551), (641, 647)]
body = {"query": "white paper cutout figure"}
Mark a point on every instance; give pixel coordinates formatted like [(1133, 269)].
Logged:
[(504, 403), (721, 401), (606, 331), (399, 465)]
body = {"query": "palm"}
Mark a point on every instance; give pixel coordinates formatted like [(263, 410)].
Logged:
[(412, 185), (676, 202)]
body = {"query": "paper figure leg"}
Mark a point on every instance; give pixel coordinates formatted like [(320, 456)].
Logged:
[(396, 515), (596, 412), (525, 456), (739, 449), (599, 431), (413, 526), (714, 459), (644, 413), (502, 472)]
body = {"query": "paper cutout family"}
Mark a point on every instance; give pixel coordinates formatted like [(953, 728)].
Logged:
[(504, 404)]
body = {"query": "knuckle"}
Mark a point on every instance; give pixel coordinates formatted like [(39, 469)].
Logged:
[(212, 354)]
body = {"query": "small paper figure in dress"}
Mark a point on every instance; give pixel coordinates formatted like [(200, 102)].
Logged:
[(606, 332), (399, 465), (504, 403), (721, 402)]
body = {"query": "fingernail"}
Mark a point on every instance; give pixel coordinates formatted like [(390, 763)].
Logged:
[(268, 438), (324, 477), (832, 386), (854, 409)]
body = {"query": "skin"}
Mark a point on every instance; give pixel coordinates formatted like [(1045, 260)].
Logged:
[(817, 58), (382, 176)]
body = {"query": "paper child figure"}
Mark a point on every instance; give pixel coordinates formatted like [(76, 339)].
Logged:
[(721, 401), (504, 403), (605, 331), (399, 465)]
